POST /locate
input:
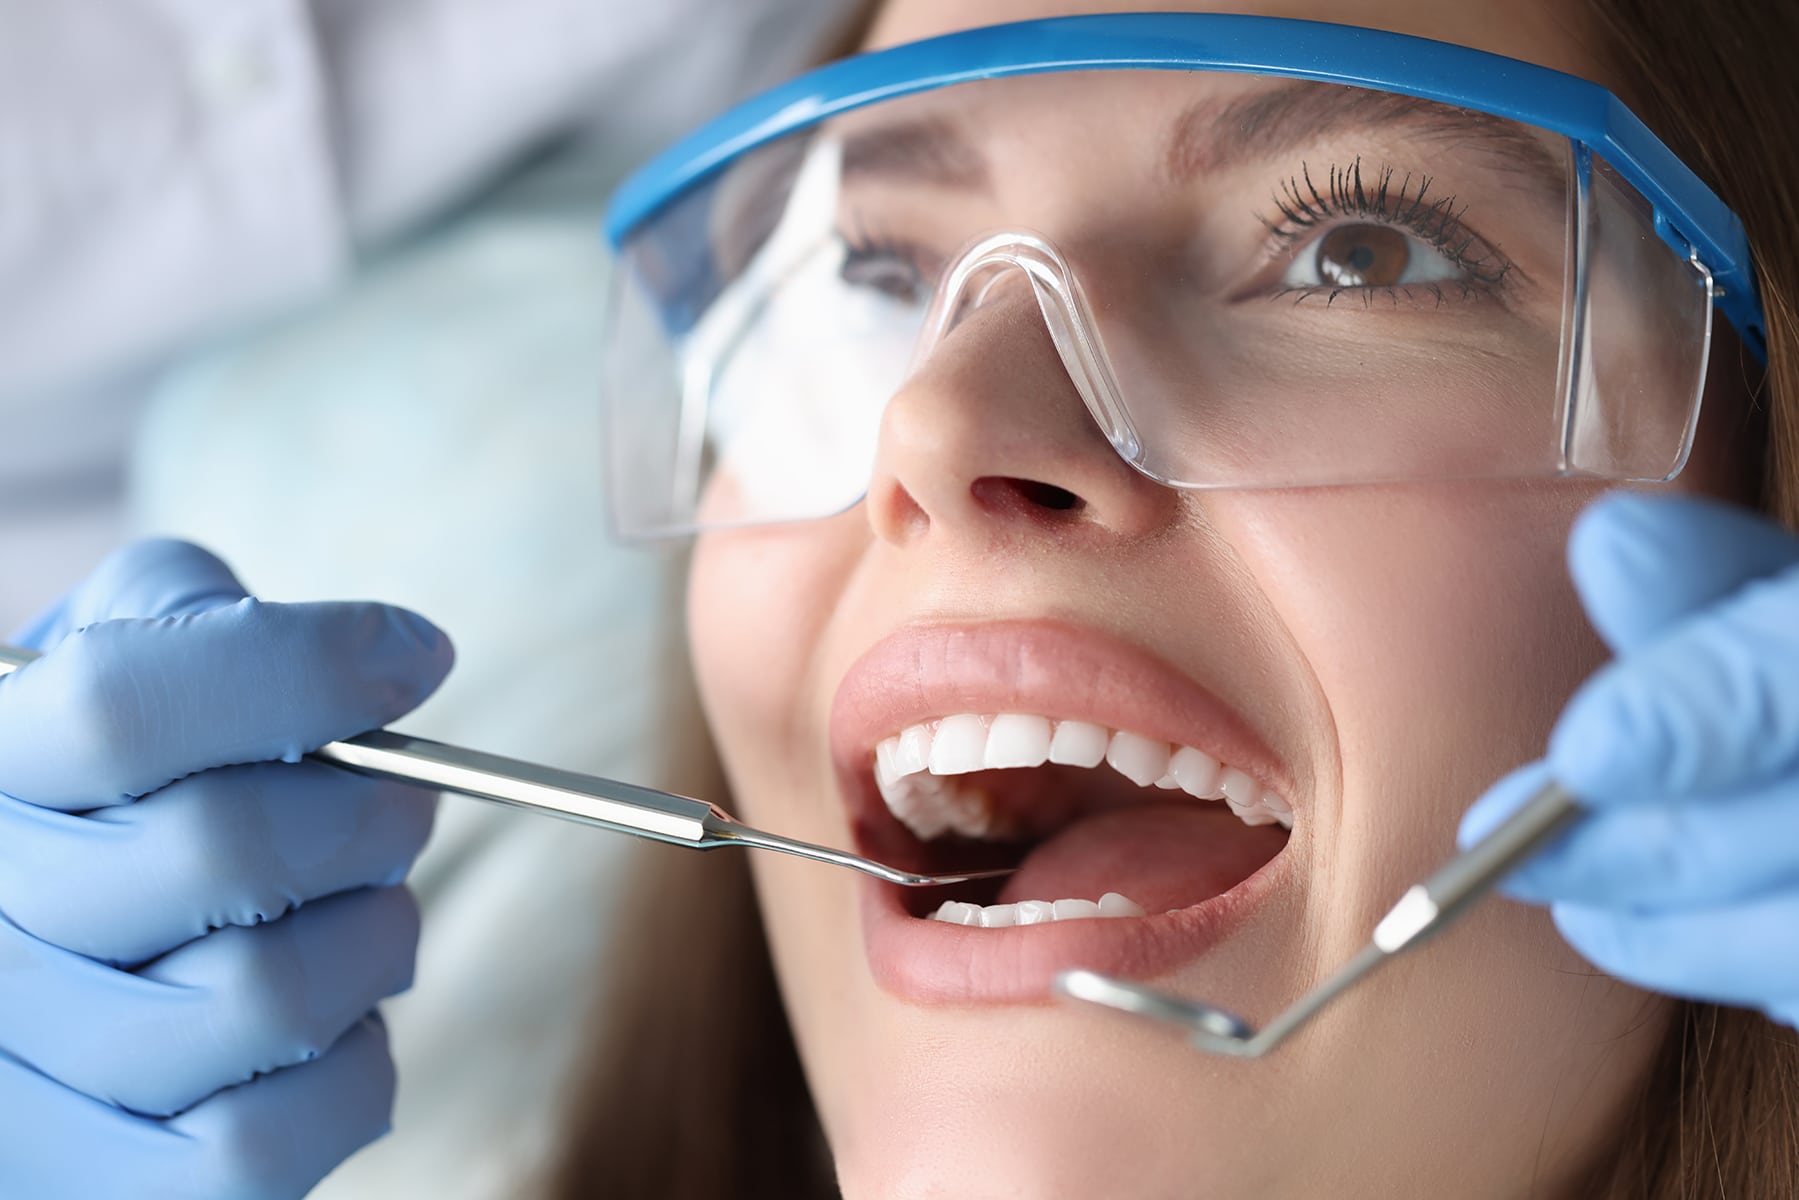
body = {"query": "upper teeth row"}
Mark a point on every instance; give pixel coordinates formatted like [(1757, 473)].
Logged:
[(906, 767)]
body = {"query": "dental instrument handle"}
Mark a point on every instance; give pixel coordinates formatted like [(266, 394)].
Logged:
[(587, 799), (1432, 906), (572, 796)]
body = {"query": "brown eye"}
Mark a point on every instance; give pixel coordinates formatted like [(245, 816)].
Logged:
[(1363, 256)]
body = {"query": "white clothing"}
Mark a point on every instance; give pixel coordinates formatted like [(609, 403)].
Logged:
[(172, 170)]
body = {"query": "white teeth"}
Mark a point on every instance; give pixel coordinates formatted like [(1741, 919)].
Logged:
[(922, 805), (1035, 912), (1239, 789), (999, 916), (1114, 905), (1073, 910), (1281, 810), (959, 746), (913, 770), (1078, 744), (1196, 772), (912, 750), (886, 772), (958, 913), (1017, 740), (1254, 816), (1137, 758), (1244, 795)]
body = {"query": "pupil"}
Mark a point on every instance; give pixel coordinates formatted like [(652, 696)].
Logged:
[(1363, 256)]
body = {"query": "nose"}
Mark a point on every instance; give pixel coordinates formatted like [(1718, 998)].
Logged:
[(989, 435)]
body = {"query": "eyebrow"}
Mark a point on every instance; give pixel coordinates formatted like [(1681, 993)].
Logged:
[(930, 150), (1211, 135)]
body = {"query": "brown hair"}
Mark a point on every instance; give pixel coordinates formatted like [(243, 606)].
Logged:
[(695, 1092), (1720, 1115)]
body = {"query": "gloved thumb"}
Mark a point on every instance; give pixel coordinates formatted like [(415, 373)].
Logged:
[(158, 578), (1643, 563)]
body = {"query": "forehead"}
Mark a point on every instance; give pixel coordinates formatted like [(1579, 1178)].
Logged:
[(1549, 33), (1194, 122)]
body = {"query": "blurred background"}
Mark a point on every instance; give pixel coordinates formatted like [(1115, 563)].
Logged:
[(317, 284)]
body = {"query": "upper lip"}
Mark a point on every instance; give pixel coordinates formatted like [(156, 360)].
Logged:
[(1046, 667)]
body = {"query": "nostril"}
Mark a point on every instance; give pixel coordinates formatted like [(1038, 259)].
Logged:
[(1000, 493), (1048, 495)]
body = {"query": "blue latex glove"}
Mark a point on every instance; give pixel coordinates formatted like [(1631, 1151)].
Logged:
[(195, 926), (1684, 878)]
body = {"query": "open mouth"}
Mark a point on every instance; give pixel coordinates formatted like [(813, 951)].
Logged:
[(1099, 823), (1141, 816)]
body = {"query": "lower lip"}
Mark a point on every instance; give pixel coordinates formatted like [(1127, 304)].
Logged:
[(936, 962)]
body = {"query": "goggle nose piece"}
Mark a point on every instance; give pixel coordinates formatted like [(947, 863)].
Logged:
[(971, 280)]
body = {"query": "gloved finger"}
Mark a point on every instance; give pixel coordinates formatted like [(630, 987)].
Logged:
[(277, 1136), (1642, 563), (37, 635), (1744, 954), (1663, 856), (236, 1003), (119, 709), (273, 1138), (155, 578), (1712, 706), (61, 1145), (235, 846)]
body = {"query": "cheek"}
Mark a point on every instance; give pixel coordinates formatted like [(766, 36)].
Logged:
[(740, 628), (1445, 610), (760, 608), (1443, 635), (759, 604), (722, 656)]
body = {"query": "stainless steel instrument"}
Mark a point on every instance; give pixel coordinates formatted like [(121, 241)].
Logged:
[(586, 799), (1426, 909)]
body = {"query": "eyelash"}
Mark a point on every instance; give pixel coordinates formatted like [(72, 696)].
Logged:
[(1437, 222), (863, 248)]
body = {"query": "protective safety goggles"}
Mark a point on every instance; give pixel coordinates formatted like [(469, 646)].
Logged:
[(1267, 253)]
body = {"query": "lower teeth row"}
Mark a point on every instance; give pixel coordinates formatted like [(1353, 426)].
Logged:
[(1035, 912)]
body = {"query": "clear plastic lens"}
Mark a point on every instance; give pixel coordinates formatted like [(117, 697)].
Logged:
[(1644, 335), (1370, 289)]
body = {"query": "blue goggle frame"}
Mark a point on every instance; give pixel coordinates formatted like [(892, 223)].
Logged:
[(1689, 217)]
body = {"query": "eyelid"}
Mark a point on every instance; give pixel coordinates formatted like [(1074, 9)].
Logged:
[(1307, 213), (864, 249)]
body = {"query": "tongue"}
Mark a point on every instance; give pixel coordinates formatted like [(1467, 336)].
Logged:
[(1163, 856)]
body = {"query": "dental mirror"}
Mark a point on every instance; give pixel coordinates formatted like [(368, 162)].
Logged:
[(1427, 908)]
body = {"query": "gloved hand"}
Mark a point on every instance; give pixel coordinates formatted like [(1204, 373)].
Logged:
[(1684, 875), (195, 926)]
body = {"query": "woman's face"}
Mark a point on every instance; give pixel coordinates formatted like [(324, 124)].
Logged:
[(1373, 656)]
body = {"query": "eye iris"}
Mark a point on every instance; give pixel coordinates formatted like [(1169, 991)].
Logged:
[(1363, 256)]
